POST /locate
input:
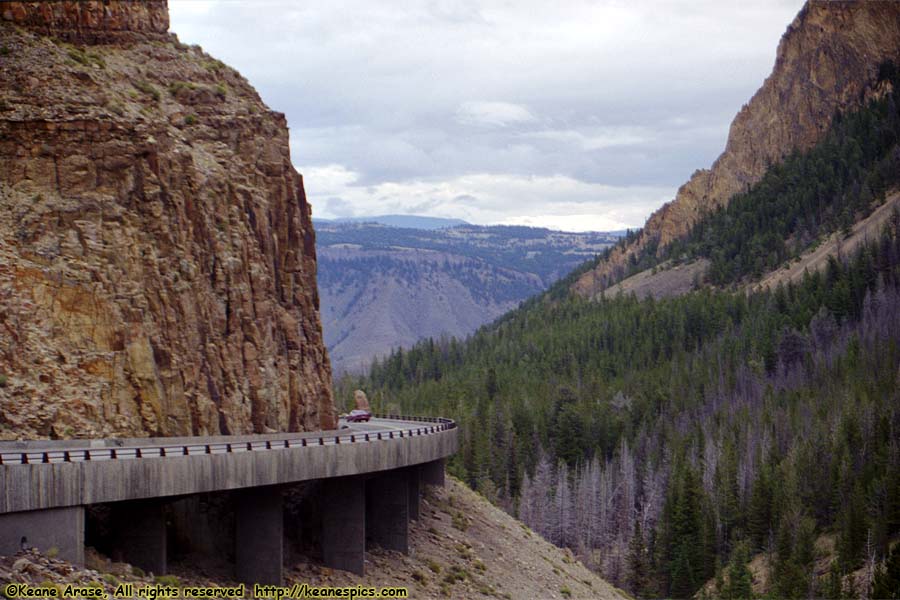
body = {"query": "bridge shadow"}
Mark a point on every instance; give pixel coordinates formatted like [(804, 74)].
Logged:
[(247, 534)]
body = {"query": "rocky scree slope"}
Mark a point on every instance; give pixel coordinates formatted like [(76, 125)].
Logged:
[(826, 61), (157, 256)]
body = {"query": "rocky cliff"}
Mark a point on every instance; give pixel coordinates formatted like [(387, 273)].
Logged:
[(92, 21), (826, 61), (157, 256)]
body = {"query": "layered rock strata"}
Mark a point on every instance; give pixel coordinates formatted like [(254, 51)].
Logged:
[(91, 21)]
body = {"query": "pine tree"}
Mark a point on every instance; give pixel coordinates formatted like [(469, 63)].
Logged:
[(688, 556), (740, 580), (852, 537), (638, 563), (490, 384), (727, 488), (759, 519), (887, 577), (834, 584)]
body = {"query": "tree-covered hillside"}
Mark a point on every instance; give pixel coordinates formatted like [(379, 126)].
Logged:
[(664, 439), (697, 423), (809, 195)]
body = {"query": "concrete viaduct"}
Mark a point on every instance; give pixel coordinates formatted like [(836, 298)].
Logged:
[(371, 477)]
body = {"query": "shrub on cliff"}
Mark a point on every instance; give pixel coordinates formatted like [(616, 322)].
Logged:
[(148, 89)]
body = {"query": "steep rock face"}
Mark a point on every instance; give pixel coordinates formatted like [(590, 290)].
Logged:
[(157, 256), (826, 61), (91, 21)]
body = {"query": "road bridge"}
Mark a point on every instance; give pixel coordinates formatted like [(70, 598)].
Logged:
[(369, 479)]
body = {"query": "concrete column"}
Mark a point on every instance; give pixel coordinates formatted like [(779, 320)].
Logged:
[(387, 510), (139, 528), (258, 535), (59, 528), (344, 524), (415, 492), (433, 472)]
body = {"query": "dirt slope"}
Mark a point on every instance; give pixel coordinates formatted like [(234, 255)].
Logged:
[(464, 547), (816, 258), (667, 280)]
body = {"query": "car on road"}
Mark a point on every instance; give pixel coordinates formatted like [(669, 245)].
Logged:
[(359, 416)]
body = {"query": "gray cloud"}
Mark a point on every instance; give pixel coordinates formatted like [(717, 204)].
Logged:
[(410, 105)]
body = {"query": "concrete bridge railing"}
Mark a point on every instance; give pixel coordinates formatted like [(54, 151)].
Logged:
[(42, 451)]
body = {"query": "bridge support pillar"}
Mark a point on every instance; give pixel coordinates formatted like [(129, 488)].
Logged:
[(387, 510), (258, 535), (60, 528), (433, 472), (344, 524), (140, 531), (415, 492)]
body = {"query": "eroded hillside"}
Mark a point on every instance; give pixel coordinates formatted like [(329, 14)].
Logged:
[(389, 287)]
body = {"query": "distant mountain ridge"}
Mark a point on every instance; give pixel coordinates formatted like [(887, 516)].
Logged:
[(409, 221), (382, 287)]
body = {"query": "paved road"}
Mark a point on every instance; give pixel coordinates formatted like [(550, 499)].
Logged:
[(376, 425)]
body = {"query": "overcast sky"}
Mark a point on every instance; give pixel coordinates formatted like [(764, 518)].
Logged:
[(570, 114)]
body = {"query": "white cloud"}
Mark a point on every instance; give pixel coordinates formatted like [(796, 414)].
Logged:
[(599, 139), (484, 198), (425, 100), (329, 179), (498, 114)]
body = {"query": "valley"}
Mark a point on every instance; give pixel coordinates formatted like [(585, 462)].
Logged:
[(721, 385), (384, 287)]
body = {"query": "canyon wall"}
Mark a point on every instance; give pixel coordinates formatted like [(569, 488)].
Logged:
[(157, 255), (826, 61)]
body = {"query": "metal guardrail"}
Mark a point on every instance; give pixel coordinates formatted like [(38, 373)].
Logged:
[(134, 452)]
